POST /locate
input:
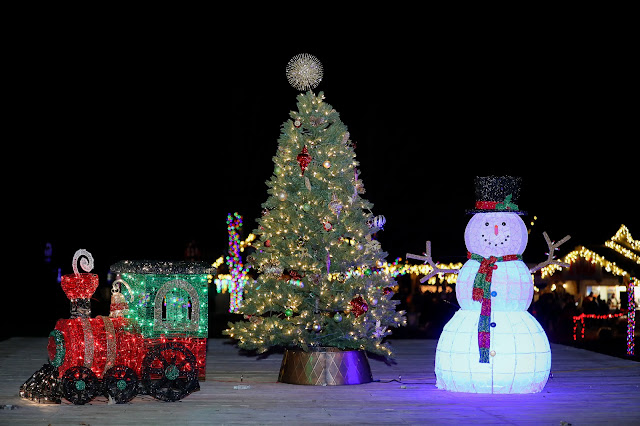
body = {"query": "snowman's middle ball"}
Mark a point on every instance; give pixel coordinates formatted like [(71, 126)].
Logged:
[(497, 234)]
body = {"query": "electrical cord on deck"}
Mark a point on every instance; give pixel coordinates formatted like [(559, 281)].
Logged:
[(399, 380)]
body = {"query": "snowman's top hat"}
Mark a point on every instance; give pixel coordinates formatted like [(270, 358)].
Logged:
[(497, 194)]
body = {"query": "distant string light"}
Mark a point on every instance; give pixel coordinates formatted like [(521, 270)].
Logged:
[(397, 268), (532, 223), (581, 318), (624, 236), (623, 251), (589, 256), (226, 282)]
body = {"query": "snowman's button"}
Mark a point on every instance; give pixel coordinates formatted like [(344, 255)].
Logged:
[(492, 353), (493, 324), (494, 293)]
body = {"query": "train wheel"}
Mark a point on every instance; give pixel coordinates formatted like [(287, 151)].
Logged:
[(169, 372), (121, 383), (79, 385)]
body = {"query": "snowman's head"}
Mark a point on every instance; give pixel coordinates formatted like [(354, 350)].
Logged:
[(496, 234)]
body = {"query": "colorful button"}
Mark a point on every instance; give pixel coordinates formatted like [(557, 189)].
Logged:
[(494, 293)]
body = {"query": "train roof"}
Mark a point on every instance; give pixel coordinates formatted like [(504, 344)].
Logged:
[(161, 267)]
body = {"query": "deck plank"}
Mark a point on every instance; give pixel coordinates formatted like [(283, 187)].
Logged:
[(586, 388)]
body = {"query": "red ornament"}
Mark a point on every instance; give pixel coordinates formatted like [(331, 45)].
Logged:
[(358, 306), (304, 159), (387, 290), (267, 243), (328, 226)]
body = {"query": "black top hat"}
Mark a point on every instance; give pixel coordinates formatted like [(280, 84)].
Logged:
[(497, 194)]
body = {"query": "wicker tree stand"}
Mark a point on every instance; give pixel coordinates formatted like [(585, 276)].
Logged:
[(324, 366)]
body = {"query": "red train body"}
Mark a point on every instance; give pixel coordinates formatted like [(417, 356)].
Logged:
[(126, 354), (103, 342)]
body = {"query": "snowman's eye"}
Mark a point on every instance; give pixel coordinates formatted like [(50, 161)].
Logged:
[(504, 224), (486, 224)]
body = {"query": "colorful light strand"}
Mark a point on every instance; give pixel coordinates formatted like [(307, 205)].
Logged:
[(234, 260), (631, 318)]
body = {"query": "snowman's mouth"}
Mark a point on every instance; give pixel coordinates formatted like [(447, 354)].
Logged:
[(495, 241)]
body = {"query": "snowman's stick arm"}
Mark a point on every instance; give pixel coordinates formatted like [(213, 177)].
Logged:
[(435, 270), (552, 248)]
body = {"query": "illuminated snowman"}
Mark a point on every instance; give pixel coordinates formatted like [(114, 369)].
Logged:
[(492, 344)]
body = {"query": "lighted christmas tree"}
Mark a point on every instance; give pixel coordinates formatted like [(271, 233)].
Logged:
[(319, 282)]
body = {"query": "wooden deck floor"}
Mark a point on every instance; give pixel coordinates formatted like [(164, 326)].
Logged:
[(586, 388)]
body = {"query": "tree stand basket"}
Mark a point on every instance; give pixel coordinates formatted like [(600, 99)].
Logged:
[(324, 366)]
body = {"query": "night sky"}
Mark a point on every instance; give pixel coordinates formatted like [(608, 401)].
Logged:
[(146, 143)]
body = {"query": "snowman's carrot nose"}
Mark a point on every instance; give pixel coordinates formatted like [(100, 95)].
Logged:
[(495, 229)]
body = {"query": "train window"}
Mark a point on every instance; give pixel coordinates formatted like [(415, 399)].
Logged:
[(177, 307)]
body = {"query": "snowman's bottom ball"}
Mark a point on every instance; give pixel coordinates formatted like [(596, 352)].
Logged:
[(521, 362)]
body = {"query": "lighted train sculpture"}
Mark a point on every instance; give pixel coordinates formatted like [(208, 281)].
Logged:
[(153, 342)]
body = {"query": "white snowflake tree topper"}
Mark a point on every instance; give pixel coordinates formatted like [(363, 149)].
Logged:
[(304, 72)]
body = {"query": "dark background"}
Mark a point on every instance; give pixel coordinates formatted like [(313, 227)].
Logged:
[(131, 143)]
